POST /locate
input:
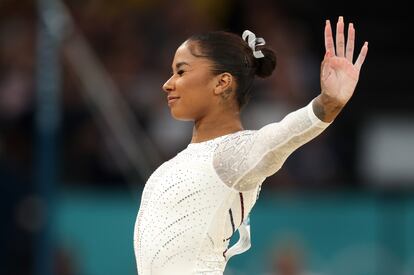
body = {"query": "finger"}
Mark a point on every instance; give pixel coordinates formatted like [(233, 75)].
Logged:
[(329, 44), (325, 58), (328, 54), (340, 39), (361, 56), (350, 43), (326, 70)]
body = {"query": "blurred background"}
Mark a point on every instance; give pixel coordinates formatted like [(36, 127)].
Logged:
[(84, 121)]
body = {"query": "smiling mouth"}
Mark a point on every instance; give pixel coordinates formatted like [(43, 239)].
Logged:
[(172, 99)]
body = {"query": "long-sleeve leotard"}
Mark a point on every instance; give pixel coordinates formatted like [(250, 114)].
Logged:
[(193, 203)]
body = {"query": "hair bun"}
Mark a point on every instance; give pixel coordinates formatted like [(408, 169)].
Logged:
[(267, 64)]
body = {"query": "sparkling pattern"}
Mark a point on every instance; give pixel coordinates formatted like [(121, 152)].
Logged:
[(183, 225)]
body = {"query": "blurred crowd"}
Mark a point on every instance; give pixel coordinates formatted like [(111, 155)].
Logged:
[(135, 42)]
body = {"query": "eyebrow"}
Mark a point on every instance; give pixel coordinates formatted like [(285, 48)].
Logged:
[(179, 64)]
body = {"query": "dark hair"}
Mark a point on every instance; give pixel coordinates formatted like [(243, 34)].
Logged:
[(230, 53)]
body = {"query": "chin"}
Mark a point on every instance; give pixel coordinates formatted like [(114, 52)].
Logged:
[(181, 116)]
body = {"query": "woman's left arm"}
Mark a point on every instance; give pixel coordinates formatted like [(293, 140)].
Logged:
[(339, 75)]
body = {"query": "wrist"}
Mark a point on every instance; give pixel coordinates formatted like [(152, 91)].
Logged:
[(326, 108), (330, 102)]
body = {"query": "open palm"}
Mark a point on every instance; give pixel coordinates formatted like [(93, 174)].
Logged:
[(339, 75)]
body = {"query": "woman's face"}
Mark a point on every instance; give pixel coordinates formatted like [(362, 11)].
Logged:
[(190, 90)]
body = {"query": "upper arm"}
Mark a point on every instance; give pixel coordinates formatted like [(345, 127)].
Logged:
[(245, 162)]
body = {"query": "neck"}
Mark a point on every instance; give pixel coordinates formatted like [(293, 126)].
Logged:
[(216, 126)]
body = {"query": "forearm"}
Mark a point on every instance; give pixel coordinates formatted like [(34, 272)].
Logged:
[(326, 108)]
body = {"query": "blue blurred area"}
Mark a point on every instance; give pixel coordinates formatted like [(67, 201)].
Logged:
[(95, 230), (332, 233)]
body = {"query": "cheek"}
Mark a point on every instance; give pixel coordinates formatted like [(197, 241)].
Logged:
[(195, 90), (193, 104)]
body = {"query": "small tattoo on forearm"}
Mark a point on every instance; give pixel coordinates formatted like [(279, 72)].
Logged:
[(326, 111)]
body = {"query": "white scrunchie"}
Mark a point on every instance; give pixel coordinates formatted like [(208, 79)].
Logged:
[(253, 42)]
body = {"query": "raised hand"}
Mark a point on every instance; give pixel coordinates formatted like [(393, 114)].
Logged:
[(339, 75)]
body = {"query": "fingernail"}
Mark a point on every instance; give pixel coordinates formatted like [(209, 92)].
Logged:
[(351, 25), (327, 22), (341, 19)]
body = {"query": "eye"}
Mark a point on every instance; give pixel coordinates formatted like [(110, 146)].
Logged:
[(180, 72)]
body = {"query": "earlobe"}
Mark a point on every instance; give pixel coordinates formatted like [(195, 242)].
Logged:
[(224, 83)]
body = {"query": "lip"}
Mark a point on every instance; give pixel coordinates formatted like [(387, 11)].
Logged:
[(171, 99)]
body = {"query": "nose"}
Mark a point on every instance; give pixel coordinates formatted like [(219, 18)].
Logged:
[(168, 85)]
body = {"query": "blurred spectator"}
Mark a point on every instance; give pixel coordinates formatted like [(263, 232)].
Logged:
[(65, 262), (289, 259), (16, 132)]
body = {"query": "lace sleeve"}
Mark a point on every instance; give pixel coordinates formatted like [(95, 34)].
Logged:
[(244, 160)]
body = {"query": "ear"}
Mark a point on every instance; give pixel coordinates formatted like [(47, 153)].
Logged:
[(224, 82)]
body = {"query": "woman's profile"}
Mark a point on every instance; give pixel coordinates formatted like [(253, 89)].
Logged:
[(193, 203)]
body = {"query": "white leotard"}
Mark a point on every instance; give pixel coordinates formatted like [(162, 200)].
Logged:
[(192, 204)]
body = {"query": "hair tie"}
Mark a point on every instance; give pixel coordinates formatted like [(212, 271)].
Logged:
[(253, 42)]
